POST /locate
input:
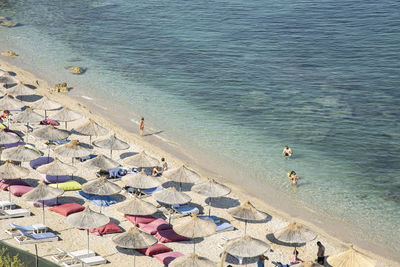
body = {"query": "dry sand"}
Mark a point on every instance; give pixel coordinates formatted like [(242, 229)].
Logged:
[(73, 239)]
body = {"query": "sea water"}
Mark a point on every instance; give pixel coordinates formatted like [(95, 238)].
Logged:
[(241, 79)]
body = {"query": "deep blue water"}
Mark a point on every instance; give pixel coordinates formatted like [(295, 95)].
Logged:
[(243, 78)]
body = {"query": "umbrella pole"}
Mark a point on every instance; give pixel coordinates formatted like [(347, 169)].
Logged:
[(90, 139), (101, 202), (45, 114), (134, 260), (110, 153), (87, 241), (48, 153), (43, 211), (65, 125), (209, 210), (245, 226), (57, 188), (194, 246), (9, 195)]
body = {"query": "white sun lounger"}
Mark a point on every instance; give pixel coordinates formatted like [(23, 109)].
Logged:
[(27, 238), (5, 204), (6, 214), (88, 261), (64, 256), (13, 230)]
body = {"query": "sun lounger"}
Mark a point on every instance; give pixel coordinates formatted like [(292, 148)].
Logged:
[(13, 230), (58, 142), (36, 163), (214, 219), (27, 238), (6, 214), (169, 235), (85, 158), (167, 257), (6, 183), (7, 205), (225, 226), (98, 200), (86, 261), (154, 226), (63, 256), (115, 173), (143, 192)]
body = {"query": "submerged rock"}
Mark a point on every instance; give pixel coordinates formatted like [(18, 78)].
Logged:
[(60, 88), (76, 70), (9, 24), (9, 54)]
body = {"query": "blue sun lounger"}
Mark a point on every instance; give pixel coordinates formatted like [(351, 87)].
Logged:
[(98, 200), (27, 238)]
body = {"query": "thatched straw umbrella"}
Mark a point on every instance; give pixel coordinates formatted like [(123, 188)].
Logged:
[(245, 246), (45, 104), (57, 168), (8, 102), (192, 260), (101, 162), (11, 171), (8, 137), (87, 219), (194, 227), (91, 128), (7, 79), (136, 206), (211, 189), (21, 153), (71, 150), (140, 180), (28, 116), (67, 115), (351, 258), (308, 264), (247, 212), (101, 187), (21, 89), (134, 239), (42, 192), (112, 143), (141, 160), (49, 132), (182, 175), (295, 234), (170, 196)]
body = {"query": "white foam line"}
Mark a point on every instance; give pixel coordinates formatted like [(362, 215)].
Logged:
[(86, 97)]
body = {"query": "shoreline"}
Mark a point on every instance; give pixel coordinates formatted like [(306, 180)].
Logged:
[(176, 155)]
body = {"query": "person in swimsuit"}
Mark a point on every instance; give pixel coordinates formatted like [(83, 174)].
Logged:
[(293, 177), (287, 152), (320, 253), (141, 126), (164, 165), (294, 259)]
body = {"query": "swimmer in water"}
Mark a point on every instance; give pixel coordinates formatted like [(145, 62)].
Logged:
[(287, 152), (293, 177)]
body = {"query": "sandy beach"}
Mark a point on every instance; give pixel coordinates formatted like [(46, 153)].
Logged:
[(334, 240)]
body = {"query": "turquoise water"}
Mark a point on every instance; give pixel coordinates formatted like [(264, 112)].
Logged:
[(240, 79)]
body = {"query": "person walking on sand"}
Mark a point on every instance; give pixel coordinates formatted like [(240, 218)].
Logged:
[(261, 260), (141, 126), (295, 259), (321, 253)]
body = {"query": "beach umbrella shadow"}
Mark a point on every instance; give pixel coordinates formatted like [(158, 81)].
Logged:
[(127, 154), (267, 219), (272, 239), (235, 260), (222, 202), (69, 199), (79, 179), (183, 187)]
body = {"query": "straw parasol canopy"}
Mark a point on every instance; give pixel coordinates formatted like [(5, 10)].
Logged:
[(171, 196), (101, 186), (67, 115), (57, 168), (11, 171), (182, 175), (134, 239), (8, 102), (192, 260), (351, 258), (247, 212), (21, 89), (101, 162), (92, 128), (112, 143), (246, 246), (8, 137), (21, 153), (211, 189), (141, 160), (140, 180), (137, 206), (42, 192), (28, 116), (295, 233), (45, 104), (87, 219), (72, 149), (194, 227), (49, 132), (309, 264)]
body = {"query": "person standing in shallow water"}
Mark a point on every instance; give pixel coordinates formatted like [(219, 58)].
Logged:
[(141, 126), (320, 253)]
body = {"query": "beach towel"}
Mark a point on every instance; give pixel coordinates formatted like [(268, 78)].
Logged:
[(103, 201), (6, 183), (169, 235), (154, 250), (68, 186), (19, 190), (36, 163), (68, 208), (59, 142), (140, 219), (85, 158), (153, 227), (167, 257), (49, 121), (14, 144), (51, 179)]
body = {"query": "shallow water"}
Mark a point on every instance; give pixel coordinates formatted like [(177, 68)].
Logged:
[(240, 79)]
